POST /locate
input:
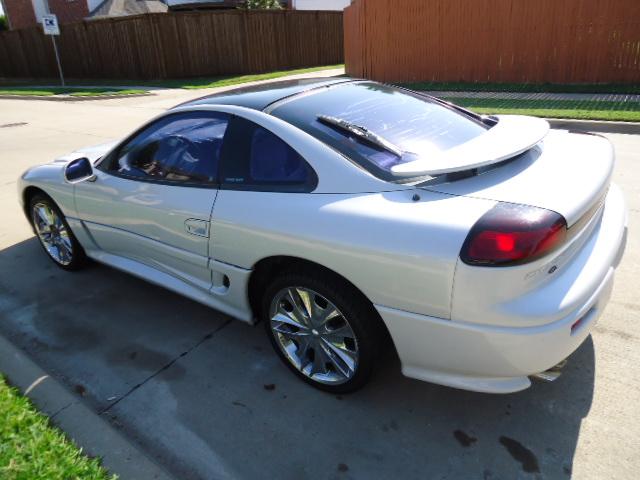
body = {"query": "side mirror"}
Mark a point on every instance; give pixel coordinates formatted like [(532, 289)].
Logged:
[(79, 170)]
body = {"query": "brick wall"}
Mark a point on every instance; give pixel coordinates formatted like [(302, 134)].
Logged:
[(20, 13), (69, 11)]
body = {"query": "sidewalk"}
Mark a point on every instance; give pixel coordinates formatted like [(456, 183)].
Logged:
[(66, 410)]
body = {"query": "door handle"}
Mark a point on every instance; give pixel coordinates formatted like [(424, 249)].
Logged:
[(197, 227)]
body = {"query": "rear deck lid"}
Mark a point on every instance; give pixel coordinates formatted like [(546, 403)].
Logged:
[(568, 173)]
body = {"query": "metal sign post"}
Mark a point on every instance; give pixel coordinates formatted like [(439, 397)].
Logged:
[(50, 26)]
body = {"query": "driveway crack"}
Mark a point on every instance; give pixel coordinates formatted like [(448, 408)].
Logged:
[(61, 409), (165, 367)]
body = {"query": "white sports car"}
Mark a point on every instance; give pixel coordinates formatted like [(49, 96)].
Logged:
[(346, 213)]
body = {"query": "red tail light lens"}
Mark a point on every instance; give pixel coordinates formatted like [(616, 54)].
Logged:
[(511, 234)]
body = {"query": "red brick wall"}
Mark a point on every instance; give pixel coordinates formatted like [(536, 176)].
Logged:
[(69, 11), (20, 13)]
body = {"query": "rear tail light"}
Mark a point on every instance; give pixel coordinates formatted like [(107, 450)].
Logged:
[(511, 234)]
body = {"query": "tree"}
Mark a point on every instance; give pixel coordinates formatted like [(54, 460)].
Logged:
[(263, 5), (4, 24)]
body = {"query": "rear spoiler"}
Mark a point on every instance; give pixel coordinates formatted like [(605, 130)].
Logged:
[(511, 136)]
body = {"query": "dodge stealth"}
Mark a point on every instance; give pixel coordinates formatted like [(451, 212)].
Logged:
[(347, 215)]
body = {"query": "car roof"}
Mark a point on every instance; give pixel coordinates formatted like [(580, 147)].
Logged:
[(259, 97)]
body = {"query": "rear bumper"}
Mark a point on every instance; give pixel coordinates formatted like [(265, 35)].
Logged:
[(499, 359), (487, 358)]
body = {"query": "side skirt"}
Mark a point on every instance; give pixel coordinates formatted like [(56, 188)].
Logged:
[(220, 301), (226, 293)]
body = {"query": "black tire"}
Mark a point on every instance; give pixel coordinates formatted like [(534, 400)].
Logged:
[(78, 255), (360, 314)]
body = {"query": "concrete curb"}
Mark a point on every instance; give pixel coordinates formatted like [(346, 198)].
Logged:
[(630, 128), (85, 427), (69, 98)]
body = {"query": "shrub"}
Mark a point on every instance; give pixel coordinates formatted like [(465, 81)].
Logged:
[(263, 5)]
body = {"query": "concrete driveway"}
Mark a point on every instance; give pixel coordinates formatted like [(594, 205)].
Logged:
[(205, 396)]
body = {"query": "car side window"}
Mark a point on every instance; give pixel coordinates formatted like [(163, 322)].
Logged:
[(253, 158), (180, 148)]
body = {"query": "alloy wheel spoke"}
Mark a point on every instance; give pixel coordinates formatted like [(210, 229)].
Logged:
[(285, 329), (42, 215), (319, 361), (65, 240), (57, 221), (62, 253), (306, 302), (295, 316), (346, 356), (299, 309), (285, 317), (42, 229), (49, 215), (303, 347), (340, 333), (326, 315), (337, 361)]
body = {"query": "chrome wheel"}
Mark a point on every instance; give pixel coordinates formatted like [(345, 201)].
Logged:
[(314, 335), (53, 233)]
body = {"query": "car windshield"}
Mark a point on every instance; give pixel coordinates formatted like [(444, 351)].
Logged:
[(369, 122)]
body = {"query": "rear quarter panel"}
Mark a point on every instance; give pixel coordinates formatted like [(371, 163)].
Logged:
[(399, 252), (550, 288)]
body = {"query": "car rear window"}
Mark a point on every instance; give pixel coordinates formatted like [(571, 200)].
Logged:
[(416, 124)]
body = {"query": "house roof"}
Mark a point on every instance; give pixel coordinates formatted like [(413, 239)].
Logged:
[(207, 4), (123, 8), (259, 97), (212, 3)]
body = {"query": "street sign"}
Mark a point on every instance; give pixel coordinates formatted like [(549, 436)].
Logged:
[(50, 24), (50, 27)]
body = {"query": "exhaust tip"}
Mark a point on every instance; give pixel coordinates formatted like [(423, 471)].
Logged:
[(552, 374)]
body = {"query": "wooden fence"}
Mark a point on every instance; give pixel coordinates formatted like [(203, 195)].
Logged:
[(557, 41), (173, 45)]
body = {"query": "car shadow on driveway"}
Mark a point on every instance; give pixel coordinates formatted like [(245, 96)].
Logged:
[(207, 398)]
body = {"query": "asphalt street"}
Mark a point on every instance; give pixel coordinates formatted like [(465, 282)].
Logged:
[(205, 396)]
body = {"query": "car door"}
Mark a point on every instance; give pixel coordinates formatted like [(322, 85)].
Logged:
[(153, 196), (262, 177)]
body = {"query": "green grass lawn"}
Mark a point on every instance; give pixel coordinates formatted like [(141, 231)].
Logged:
[(524, 87), (72, 91), (234, 80), (31, 449), (189, 83), (578, 109)]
